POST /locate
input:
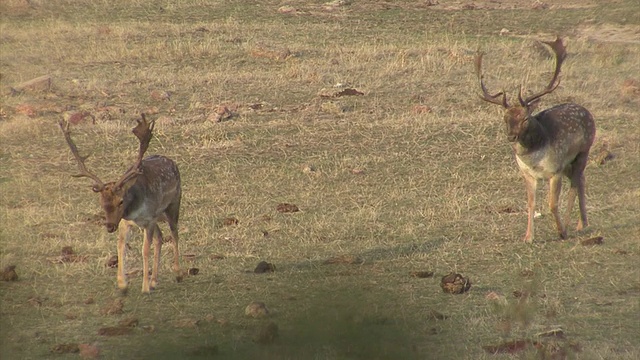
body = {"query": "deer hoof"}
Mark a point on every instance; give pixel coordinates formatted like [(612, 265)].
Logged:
[(123, 291), (179, 278)]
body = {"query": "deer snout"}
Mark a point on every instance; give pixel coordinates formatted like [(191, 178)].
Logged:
[(111, 227)]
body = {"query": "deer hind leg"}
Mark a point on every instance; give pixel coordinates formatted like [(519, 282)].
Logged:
[(124, 235), (555, 187), (146, 249), (576, 175), (157, 248), (531, 184), (172, 213)]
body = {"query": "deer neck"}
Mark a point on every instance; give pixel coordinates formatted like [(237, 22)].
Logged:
[(533, 138), (133, 203)]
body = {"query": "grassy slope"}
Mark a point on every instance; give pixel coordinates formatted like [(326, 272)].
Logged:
[(431, 196)]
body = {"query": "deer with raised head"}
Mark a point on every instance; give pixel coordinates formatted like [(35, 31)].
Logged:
[(549, 144), (148, 192)]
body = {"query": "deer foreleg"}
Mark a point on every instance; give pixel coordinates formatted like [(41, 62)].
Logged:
[(531, 184), (555, 187), (124, 234), (146, 249)]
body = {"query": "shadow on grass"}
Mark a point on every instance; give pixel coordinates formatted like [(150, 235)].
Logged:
[(335, 322)]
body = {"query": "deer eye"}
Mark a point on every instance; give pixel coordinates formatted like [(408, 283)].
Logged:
[(121, 202)]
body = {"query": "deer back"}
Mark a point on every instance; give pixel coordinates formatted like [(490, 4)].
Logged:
[(155, 188), (553, 138)]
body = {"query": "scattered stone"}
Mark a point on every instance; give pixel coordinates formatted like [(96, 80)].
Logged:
[(264, 267), (333, 93), (112, 262), (230, 221), (287, 208), (455, 284), (598, 240), (256, 309), (9, 273), (220, 113), (421, 274), (267, 334)]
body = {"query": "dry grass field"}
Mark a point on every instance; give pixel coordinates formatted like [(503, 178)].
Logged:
[(410, 175)]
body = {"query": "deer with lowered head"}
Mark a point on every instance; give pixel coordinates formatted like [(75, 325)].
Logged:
[(548, 145), (148, 192)]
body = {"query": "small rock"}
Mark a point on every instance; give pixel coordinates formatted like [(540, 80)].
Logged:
[(230, 221), (9, 273), (598, 240), (287, 208), (455, 284), (264, 267), (112, 262), (256, 309)]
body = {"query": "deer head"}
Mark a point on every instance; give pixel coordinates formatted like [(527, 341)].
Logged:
[(112, 194), (516, 117)]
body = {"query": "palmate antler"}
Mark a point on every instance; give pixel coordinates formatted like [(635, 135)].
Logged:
[(500, 98), (98, 184), (144, 132), (561, 53), (494, 99)]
